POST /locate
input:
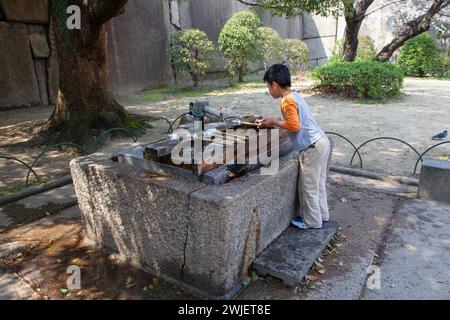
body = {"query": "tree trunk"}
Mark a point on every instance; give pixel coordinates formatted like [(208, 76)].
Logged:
[(411, 29), (241, 74), (354, 16), (85, 106), (351, 41)]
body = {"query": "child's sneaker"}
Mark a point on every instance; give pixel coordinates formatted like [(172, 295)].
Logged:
[(298, 222)]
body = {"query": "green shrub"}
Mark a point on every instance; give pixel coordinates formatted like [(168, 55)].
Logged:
[(189, 52), (370, 79), (269, 43), (295, 53), (366, 50), (238, 41), (420, 57)]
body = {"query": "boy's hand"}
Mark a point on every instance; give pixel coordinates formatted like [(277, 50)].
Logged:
[(265, 123)]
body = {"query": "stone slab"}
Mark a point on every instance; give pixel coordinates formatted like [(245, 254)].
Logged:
[(38, 41), (316, 26), (291, 256), (63, 196), (40, 66), (19, 86), (7, 249), (434, 180), (217, 176), (12, 288), (29, 11)]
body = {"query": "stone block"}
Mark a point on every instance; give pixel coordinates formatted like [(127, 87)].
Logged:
[(434, 181), (230, 225), (137, 48), (38, 41), (317, 26), (19, 85), (40, 66), (217, 176), (203, 236), (320, 49), (29, 11), (291, 256)]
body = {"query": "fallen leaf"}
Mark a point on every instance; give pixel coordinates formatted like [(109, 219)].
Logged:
[(321, 271), (311, 277)]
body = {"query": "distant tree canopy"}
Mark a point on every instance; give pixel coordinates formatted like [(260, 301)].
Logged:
[(270, 44), (295, 53), (420, 57), (238, 41)]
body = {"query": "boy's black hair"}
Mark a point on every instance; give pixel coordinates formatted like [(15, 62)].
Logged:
[(280, 74)]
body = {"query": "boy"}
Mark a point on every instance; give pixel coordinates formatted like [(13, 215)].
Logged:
[(307, 137)]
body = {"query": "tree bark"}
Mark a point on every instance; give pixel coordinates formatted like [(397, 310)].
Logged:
[(411, 29), (354, 16), (85, 105)]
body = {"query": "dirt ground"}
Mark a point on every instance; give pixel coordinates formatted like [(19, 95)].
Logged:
[(422, 111)]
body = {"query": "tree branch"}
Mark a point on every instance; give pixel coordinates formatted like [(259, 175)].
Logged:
[(103, 11), (412, 29), (248, 3), (379, 8), (177, 27)]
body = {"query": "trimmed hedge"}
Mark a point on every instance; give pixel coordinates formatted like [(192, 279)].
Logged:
[(362, 79), (420, 57)]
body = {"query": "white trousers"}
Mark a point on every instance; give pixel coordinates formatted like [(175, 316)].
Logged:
[(312, 183)]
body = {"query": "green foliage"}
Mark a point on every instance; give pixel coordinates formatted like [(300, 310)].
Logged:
[(420, 57), (269, 44), (295, 53), (59, 10), (189, 51), (366, 50), (238, 41), (371, 80)]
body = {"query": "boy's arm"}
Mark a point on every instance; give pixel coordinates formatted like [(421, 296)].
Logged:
[(291, 119)]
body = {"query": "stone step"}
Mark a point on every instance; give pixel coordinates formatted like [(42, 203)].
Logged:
[(291, 255)]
